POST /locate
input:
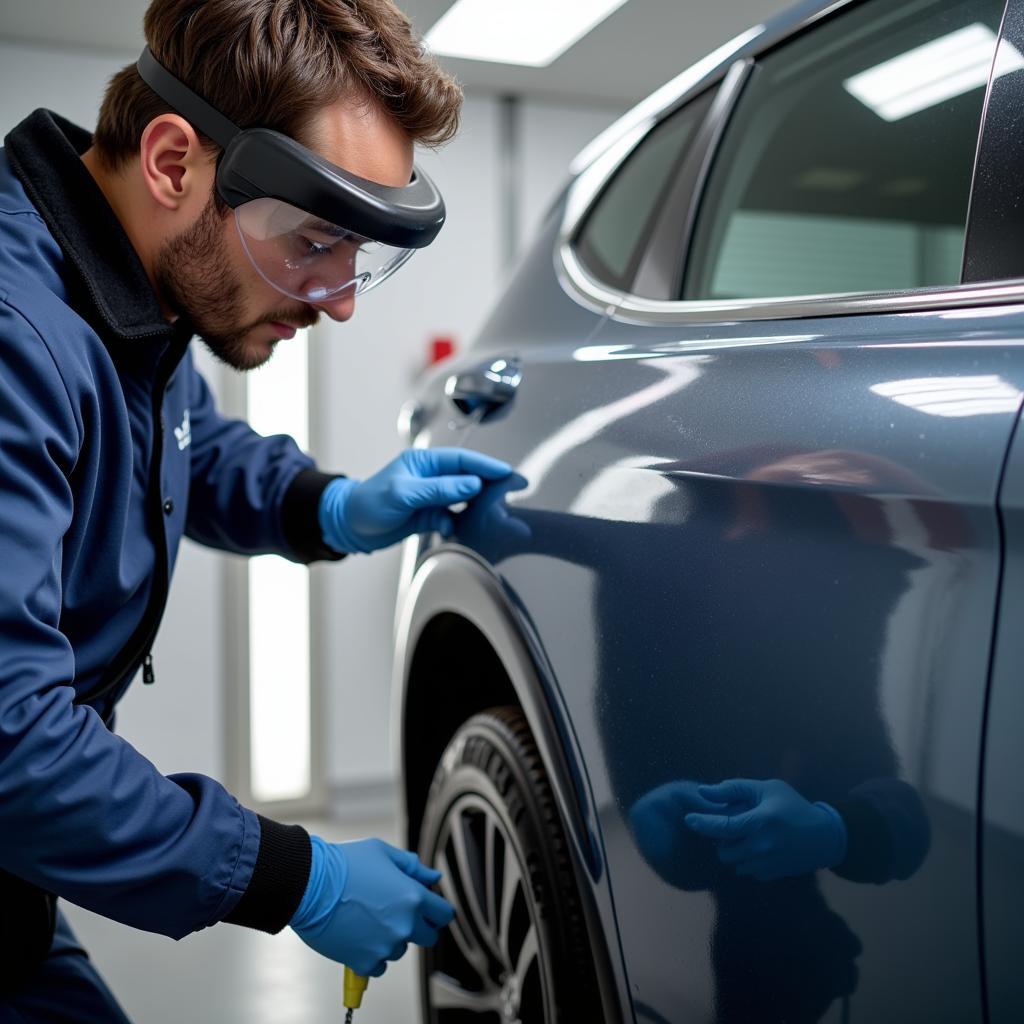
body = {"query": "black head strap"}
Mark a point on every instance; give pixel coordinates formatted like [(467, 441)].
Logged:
[(189, 104)]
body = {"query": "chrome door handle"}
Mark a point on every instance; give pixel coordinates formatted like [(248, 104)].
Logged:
[(486, 387)]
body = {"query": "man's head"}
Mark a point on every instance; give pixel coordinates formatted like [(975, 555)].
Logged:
[(346, 78)]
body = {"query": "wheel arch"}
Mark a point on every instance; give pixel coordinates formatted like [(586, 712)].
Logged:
[(461, 647)]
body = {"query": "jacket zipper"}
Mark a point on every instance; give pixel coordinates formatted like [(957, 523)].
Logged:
[(126, 661)]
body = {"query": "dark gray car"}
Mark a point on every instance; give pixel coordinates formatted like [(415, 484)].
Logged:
[(760, 376)]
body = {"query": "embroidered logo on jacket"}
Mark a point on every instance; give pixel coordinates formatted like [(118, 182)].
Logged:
[(184, 433)]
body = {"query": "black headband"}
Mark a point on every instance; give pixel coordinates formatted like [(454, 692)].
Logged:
[(259, 163)]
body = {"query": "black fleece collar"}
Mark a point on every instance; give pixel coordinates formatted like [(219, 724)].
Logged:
[(45, 153)]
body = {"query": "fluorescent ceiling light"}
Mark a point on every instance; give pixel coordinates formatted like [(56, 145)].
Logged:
[(931, 74), (953, 396), (529, 32)]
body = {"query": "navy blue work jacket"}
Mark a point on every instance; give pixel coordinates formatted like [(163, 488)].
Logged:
[(111, 449)]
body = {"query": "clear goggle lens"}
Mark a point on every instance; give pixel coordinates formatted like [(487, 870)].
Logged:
[(309, 258)]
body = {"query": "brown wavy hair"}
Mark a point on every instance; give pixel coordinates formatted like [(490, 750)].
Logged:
[(275, 63)]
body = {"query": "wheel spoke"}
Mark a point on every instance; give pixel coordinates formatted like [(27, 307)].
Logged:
[(475, 957), (448, 994), (490, 852), (509, 887), (528, 952), (465, 865)]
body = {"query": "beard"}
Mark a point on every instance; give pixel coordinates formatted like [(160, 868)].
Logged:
[(195, 274)]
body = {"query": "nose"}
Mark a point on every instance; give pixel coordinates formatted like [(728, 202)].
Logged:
[(340, 308)]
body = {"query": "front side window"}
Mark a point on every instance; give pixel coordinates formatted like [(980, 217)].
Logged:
[(847, 165), (610, 241)]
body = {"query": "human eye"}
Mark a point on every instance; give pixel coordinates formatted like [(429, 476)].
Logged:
[(314, 248)]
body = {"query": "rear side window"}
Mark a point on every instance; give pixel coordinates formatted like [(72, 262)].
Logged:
[(611, 239), (847, 165)]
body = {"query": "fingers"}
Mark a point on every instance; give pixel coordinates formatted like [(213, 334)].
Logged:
[(443, 491), (435, 520), (732, 791), (720, 826), (446, 461), (685, 796), (436, 910), (425, 934), (408, 862)]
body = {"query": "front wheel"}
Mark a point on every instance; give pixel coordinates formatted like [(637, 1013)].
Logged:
[(517, 951)]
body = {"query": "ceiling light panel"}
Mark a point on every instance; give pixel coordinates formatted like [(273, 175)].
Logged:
[(533, 33), (931, 74)]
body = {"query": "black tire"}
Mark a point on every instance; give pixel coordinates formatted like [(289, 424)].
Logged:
[(492, 827)]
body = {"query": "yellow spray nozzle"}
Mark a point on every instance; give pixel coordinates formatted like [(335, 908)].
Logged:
[(355, 986)]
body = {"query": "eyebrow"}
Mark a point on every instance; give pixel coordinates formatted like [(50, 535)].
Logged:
[(325, 227)]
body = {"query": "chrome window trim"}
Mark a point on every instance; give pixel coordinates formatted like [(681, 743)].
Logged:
[(587, 291), (633, 310)]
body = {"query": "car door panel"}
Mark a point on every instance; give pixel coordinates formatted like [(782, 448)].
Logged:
[(1002, 836), (773, 555)]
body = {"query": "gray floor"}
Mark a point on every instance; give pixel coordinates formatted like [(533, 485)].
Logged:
[(229, 975)]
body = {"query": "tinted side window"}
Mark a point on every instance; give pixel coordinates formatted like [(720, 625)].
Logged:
[(847, 165), (610, 241)]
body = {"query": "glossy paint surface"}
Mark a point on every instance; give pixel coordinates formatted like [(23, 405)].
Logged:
[(765, 551), (1002, 837), (771, 550)]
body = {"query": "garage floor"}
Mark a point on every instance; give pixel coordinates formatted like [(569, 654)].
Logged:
[(229, 975)]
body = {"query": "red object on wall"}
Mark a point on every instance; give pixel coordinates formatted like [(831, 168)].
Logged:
[(441, 348)]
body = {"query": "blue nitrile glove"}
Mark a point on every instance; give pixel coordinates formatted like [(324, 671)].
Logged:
[(409, 495), (680, 857), (774, 833), (365, 901)]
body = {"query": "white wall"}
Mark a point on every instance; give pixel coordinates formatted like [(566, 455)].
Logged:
[(70, 83), (551, 134), (367, 368)]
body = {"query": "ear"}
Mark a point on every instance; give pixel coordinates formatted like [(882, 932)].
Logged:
[(176, 169)]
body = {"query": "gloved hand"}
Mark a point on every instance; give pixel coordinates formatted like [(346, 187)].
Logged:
[(409, 495), (774, 832), (365, 901), (679, 856), (489, 527)]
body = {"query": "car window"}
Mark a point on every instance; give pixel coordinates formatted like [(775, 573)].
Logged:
[(847, 164), (610, 240)]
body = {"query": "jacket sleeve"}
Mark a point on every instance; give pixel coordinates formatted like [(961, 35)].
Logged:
[(82, 813), (251, 494)]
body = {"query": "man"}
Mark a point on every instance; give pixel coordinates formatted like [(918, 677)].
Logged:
[(252, 172)]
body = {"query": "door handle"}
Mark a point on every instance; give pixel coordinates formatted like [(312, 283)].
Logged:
[(485, 387)]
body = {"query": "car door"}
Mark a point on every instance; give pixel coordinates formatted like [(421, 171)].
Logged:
[(994, 251), (1002, 836), (761, 501)]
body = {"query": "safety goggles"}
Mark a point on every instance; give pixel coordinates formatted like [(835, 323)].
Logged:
[(310, 228)]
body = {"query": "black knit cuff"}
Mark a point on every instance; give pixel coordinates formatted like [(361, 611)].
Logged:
[(279, 879), (300, 517), (869, 853)]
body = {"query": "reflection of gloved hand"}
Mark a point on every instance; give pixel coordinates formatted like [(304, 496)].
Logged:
[(778, 834), (489, 527), (409, 495), (658, 822), (365, 901)]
